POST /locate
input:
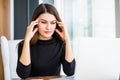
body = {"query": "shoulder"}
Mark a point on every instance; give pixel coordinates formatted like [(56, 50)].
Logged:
[(60, 41)]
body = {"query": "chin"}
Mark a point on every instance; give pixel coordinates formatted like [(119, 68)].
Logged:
[(48, 36)]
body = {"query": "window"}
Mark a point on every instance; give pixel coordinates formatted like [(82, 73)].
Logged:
[(84, 18), (89, 18), (47, 1)]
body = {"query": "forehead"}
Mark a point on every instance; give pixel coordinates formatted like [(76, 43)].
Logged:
[(47, 17)]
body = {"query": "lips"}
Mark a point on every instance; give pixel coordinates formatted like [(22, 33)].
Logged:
[(48, 32)]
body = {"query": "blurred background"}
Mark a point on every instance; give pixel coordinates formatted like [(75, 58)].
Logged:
[(83, 18)]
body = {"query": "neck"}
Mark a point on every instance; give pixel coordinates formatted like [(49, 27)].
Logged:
[(41, 38)]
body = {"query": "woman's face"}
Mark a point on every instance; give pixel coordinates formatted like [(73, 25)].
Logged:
[(46, 26)]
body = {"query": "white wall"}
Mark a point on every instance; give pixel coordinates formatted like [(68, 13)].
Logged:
[(97, 58)]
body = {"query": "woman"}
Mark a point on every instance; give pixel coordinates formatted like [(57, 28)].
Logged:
[(46, 46)]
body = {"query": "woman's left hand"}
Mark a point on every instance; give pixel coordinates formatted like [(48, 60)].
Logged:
[(63, 34)]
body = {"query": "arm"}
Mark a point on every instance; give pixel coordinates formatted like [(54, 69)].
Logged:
[(25, 56), (68, 51), (24, 61), (68, 59), (23, 71), (64, 35)]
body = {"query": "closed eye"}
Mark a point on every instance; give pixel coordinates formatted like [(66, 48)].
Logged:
[(53, 22), (43, 22)]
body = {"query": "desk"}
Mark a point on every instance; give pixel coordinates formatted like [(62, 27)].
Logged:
[(52, 78)]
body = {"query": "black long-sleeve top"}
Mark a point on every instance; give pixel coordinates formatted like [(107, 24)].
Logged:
[(46, 59)]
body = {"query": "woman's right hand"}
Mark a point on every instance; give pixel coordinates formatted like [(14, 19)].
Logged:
[(31, 30)]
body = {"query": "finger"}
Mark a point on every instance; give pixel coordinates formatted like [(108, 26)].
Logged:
[(58, 31), (35, 30), (60, 24), (33, 25), (33, 22), (37, 20)]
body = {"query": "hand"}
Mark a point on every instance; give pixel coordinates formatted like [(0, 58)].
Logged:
[(64, 33), (31, 30)]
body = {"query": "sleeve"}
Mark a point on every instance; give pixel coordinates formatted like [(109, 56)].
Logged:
[(22, 70), (68, 67)]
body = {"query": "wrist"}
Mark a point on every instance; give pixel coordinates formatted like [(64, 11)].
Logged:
[(67, 39), (67, 42), (26, 40)]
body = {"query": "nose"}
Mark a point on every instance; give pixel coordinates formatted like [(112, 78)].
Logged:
[(48, 26)]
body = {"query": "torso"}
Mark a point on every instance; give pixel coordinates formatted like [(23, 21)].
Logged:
[(46, 57)]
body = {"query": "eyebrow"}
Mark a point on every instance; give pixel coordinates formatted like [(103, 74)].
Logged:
[(51, 21)]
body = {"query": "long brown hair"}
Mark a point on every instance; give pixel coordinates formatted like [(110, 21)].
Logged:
[(43, 8)]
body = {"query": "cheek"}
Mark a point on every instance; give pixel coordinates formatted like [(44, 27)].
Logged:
[(54, 27), (40, 29), (40, 26)]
